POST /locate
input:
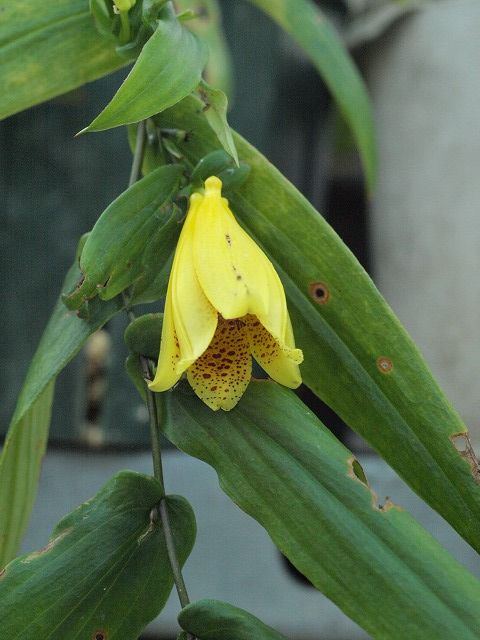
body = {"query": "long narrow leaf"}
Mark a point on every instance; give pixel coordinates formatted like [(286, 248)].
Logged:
[(20, 463), (28, 432), (314, 33), (358, 357), (284, 468), (49, 48)]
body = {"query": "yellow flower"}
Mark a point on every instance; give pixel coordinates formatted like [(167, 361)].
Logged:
[(224, 304)]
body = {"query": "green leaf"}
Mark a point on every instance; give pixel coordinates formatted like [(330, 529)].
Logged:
[(313, 32), (358, 357), (218, 620), (20, 462), (25, 444), (215, 109), (105, 571), (112, 257), (48, 48), (208, 27), (278, 463), (168, 69)]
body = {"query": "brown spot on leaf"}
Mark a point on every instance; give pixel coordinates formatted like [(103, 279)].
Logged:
[(384, 364), (47, 547), (100, 635), (319, 292), (461, 442)]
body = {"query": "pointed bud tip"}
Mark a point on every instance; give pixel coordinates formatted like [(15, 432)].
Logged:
[(213, 186)]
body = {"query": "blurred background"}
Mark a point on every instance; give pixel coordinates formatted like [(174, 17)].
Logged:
[(419, 237)]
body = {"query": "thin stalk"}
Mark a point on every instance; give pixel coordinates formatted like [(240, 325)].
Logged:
[(172, 556), (138, 153), (153, 412), (125, 27)]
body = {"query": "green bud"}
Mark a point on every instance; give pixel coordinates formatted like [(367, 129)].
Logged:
[(211, 165), (124, 5), (234, 176)]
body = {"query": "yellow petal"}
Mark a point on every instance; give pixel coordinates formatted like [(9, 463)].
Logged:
[(166, 375), (276, 319), (279, 360), (221, 375), (230, 267), (194, 318)]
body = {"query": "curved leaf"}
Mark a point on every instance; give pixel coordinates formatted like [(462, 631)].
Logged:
[(20, 459), (105, 571), (48, 48), (168, 69), (314, 33), (208, 26), (358, 357), (215, 110), (284, 468), (216, 620)]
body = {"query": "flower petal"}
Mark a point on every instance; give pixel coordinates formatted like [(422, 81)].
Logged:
[(229, 265), (166, 375), (276, 319), (194, 318), (280, 361), (221, 375)]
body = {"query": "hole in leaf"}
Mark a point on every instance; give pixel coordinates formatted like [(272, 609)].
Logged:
[(462, 444)]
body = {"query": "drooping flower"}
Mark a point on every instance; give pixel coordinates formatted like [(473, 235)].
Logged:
[(225, 303)]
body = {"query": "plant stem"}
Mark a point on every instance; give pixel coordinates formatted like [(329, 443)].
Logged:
[(138, 153), (153, 412), (125, 27), (172, 556)]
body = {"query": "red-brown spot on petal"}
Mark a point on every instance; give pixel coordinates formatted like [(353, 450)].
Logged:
[(319, 292)]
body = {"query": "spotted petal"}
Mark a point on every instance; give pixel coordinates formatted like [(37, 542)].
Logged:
[(279, 360), (229, 265), (166, 375), (221, 375)]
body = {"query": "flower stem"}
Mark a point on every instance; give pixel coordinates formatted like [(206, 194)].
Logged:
[(125, 27), (153, 410)]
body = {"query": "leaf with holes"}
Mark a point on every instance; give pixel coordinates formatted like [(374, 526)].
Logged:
[(113, 255), (309, 27), (104, 573), (168, 69), (358, 357), (284, 468), (218, 620), (49, 48)]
